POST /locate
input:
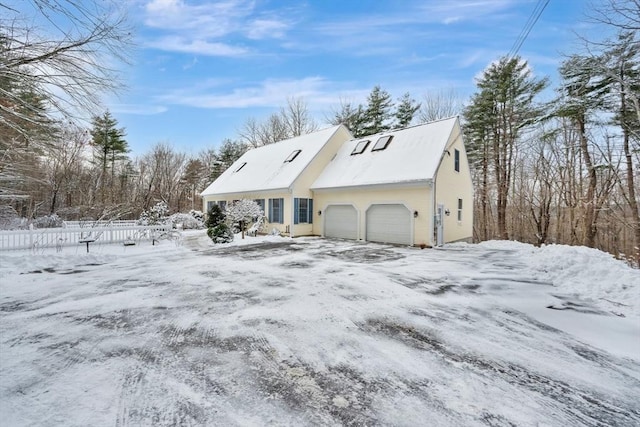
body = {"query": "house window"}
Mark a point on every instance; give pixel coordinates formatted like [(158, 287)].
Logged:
[(302, 211), (276, 211), (459, 209), (222, 204), (240, 167), (260, 202), (360, 147), (382, 143), (292, 156), (456, 160), (210, 205)]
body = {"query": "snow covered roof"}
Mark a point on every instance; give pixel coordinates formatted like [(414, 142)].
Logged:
[(271, 167), (410, 155)]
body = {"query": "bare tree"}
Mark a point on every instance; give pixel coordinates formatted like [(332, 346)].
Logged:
[(63, 165), (291, 121), (296, 117), (440, 104), (55, 62), (71, 64)]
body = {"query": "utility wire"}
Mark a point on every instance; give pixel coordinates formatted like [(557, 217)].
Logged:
[(533, 18)]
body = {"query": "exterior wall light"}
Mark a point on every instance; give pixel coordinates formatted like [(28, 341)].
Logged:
[(415, 214), (447, 212), (319, 213)]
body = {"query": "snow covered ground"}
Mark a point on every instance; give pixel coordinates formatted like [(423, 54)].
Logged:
[(274, 331)]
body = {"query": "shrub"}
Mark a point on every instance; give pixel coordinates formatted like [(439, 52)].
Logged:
[(47, 221), (154, 216), (215, 216), (221, 233), (185, 221)]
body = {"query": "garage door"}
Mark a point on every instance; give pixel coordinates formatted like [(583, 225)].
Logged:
[(389, 224), (341, 221)]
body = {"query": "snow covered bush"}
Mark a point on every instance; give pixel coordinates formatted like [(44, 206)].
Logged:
[(10, 220), (221, 233), (154, 216), (198, 215), (244, 212), (186, 221), (47, 221)]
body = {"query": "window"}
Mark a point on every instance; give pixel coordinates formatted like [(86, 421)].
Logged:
[(360, 147), (292, 156), (276, 211), (456, 160), (382, 143), (222, 204), (210, 205), (302, 211), (459, 209), (240, 167)]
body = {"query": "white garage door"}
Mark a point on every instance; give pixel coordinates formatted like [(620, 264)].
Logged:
[(389, 224), (341, 221)]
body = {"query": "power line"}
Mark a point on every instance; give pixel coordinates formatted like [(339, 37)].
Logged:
[(533, 18)]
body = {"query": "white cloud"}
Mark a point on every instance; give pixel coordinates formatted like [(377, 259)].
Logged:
[(269, 93), (199, 47), (207, 28), (138, 109)]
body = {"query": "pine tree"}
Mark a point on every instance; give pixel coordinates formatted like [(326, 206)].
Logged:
[(350, 116), (109, 144), (406, 110), (501, 108), (378, 112)]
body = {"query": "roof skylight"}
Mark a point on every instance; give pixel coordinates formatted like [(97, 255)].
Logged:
[(240, 167), (292, 156), (382, 143), (360, 147)]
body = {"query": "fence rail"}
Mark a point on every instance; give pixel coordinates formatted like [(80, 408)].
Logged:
[(59, 237), (94, 224)]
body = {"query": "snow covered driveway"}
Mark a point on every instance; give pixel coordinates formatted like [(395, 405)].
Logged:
[(317, 332)]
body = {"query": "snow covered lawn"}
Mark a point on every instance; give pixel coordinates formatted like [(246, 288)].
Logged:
[(274, 331)]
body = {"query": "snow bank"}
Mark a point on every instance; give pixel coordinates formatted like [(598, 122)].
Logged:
[(585, 273)]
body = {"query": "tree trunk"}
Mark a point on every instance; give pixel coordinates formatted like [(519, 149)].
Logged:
[(590, 227), (631, 187)]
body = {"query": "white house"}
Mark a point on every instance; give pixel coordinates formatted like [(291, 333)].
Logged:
[(278, 177), (409, 186)]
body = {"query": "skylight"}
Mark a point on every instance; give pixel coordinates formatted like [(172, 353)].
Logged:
[(360, 147), (382, 143), (292, 156), (240, 167)]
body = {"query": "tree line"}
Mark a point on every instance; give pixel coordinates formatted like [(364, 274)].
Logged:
[(564, 171)]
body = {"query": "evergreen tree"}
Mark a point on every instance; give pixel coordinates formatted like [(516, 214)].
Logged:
[(406, 110), (623, 64), (501, 108), (350, 116), (109, 146), (582, 95), (378, 112), (227, 154)]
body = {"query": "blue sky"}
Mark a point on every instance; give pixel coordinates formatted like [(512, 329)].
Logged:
[(201, 68)]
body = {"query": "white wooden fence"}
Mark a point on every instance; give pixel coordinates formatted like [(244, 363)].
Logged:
[(92, 224), (59, 237)]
